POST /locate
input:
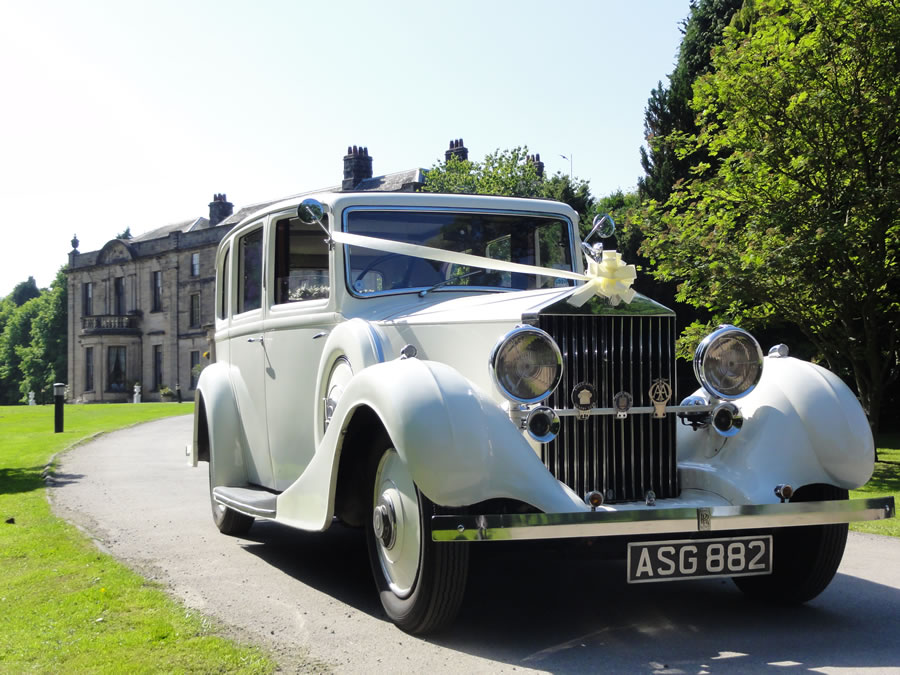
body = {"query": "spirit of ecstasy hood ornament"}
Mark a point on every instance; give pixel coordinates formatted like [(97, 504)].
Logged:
[(607, 275)]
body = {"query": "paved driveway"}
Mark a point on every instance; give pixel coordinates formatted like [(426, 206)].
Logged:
[(311, 599)]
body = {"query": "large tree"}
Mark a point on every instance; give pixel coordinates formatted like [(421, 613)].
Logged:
[(669, 106), (33, 343), (800, 216), (510, 173)]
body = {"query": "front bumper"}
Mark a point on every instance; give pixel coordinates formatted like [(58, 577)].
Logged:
[(656, 520)]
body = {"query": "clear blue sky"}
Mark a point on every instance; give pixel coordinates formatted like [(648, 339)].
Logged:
[(118, 114)]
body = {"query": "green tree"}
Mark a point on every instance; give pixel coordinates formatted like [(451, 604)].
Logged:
[(125, 234), (509, 173), (24, 291), (33, 342), (669, 107), (43, 358), (798, 214)]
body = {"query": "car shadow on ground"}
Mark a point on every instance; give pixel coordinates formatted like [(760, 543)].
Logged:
[(334, 562), (547, 609)]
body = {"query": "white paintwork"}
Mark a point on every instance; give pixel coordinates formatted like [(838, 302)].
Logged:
[(441, 410), (802, 425)]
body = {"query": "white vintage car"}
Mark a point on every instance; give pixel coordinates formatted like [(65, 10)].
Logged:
[(445, 369)]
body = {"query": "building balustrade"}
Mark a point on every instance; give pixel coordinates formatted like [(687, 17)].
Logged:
[(110, 323)]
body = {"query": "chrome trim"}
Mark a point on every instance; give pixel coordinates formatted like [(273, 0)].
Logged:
[(700, 358), (603, 523), (552, 424), (492, 363), (643, 410)]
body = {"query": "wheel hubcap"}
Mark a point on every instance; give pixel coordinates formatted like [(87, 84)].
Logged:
[(384, 521), (395, 524)]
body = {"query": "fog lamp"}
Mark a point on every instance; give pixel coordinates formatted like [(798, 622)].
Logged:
[(542, 424)]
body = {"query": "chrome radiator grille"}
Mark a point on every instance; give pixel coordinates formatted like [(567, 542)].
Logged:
[(622, 458)]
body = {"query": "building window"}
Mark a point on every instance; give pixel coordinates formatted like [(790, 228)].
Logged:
[(116, 369), (157, 367), (89, 369), (250, 275), (87, 301), (195, 264), (195, 369), (195, 310), (156, 291), (119, 294)]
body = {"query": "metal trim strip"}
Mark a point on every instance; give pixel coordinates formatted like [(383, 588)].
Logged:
[(507, 527)]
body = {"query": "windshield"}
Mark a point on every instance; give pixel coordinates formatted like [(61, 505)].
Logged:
[(523, 238)]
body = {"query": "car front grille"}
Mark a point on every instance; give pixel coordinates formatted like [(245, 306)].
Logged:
[(622, 458)]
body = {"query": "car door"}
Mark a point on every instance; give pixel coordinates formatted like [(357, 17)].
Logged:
[(247, 352), (301, 312)]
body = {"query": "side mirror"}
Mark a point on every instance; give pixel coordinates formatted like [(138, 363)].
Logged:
[(603, 226), (310, 211)]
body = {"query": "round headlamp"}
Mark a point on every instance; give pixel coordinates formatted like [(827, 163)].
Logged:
[(526, 364), (728, 363)]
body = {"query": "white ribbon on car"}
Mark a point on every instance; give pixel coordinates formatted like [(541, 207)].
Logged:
[(607, 278)]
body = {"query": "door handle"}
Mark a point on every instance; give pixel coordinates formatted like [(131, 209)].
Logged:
[(259, 339)]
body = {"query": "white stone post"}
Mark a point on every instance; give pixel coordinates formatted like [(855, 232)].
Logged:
[(137, 393)]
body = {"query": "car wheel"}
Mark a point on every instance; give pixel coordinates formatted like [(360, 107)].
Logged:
[(227, 520), (805, 559), (421, 582)]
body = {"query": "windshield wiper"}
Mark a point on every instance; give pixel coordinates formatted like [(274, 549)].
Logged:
[(451, 280)]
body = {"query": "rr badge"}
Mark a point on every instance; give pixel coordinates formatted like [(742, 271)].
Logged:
[(583, 397), (622, 403), (660, 393)]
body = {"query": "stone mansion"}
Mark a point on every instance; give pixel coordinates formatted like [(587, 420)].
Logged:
[(141, 310)]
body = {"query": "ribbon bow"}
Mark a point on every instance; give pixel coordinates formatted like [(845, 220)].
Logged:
[(610, 278)]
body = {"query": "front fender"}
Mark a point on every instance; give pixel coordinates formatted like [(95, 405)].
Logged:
[(802, 425), (227, 441), (459, 445)]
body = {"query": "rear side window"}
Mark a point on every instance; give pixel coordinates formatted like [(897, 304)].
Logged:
[(250, 271)]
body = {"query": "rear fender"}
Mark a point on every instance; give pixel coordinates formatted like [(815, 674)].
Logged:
[(227, 442)]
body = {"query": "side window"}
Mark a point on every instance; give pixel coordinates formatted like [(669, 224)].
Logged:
[(224, 274), (250, 271), (301, 262)]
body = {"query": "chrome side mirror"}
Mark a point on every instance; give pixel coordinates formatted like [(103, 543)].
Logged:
[(311, 211), (604, 227)]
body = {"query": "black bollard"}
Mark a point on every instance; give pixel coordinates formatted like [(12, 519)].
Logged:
[(178, 392), (59, 395)]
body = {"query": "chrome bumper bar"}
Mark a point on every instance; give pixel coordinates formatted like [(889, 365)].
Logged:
[(656, 521)]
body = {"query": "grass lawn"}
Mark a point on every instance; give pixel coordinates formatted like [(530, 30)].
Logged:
[(66, 607), (885, 482)]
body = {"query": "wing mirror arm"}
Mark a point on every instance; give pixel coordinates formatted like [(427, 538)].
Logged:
[(312, 211)]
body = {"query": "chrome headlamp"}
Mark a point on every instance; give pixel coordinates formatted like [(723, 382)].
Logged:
[(728, 363), (526, 365)]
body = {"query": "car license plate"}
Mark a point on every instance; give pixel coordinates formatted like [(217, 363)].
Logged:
[(692, 558)]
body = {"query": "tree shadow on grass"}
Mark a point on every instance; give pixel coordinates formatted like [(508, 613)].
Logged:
[(19, 480)]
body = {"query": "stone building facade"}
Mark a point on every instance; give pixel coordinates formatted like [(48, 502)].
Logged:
[(141, 310)]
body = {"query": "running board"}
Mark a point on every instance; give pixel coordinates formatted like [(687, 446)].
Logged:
[(250, 501)]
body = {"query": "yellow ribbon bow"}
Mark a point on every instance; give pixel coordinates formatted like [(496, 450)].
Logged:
[(610, 278)]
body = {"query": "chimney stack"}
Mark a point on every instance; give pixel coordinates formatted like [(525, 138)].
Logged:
[(219, 209), (357, 167), (538, 164), (458, 150)]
